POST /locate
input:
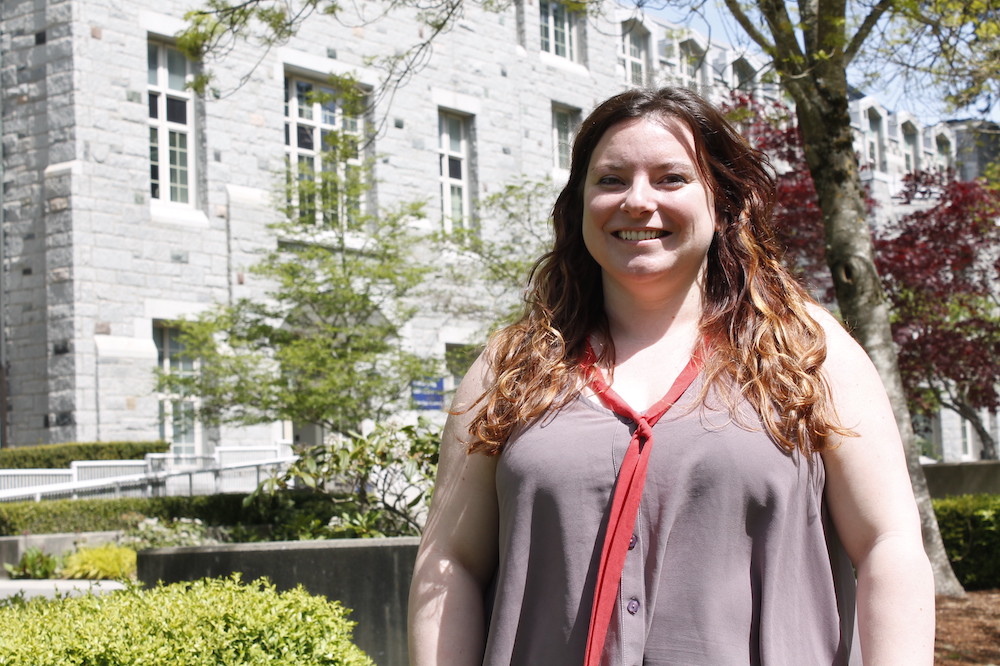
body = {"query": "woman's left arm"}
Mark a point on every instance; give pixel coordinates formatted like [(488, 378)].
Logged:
[(871, 502)]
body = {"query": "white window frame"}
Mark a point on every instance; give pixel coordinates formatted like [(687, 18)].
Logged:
[(692, 66), (564, 125), (454, 170), (171, 139), (311, 113), (634, 53), (558, 28), (183, 433)]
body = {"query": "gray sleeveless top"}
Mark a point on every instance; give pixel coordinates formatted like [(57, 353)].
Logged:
[(733, 559)]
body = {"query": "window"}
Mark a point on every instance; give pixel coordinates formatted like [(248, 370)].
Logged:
[(171, 125), (453, 148), (323, 153), (743, 76), (692, 58), (564, 124), (943, 146), (633, 53), (558, 29), (178, 424), (911, 147), (876, 142)]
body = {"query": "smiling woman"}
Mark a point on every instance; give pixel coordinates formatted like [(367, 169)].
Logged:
[(657, 463)]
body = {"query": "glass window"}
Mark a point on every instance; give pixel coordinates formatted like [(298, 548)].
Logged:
[(558, 28), (564, 124), (323, 152), (633, 53), (171, 127), (178, 423), (453, 169)]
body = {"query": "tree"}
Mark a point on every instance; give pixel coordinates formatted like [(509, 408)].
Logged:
[(322, 346), (939, 266), (488, 272)]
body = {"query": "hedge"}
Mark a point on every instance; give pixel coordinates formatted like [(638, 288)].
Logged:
[(970, 529), (95, 515), (57, 456), (211, 622)]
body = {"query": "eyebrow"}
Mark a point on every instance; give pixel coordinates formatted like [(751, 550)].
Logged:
[(663, 166)]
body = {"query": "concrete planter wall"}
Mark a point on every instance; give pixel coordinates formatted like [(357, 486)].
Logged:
[(369, 576), (967, 478)]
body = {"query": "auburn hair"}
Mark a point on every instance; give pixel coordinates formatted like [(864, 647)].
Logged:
[(761, 342)]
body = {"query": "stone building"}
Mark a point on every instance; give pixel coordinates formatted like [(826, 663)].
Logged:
[(129, 201)]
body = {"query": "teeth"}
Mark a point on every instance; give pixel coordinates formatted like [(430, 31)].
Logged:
[(646, 234)]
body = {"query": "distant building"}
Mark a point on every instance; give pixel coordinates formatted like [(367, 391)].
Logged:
[(129, 201)]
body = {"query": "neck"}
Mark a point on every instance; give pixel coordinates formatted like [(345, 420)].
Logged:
[(644, 320)]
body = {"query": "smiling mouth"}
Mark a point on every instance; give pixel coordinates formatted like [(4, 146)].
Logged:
[(645, 234)]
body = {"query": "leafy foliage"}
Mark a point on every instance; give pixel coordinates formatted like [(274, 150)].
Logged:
[(105, 562), (34, 563), (212, 622), (970, 527), (322, 346), (61, 455), (379, 482), (492, 260), (939, 265), (154, 533)]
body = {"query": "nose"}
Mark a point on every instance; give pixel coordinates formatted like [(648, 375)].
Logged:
[(639, 198)]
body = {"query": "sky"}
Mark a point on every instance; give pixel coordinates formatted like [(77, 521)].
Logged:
[(714, 21)]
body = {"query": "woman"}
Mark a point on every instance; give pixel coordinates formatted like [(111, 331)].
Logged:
[(583, 516)]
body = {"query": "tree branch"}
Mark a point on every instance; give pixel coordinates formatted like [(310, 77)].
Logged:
[(865, 29)]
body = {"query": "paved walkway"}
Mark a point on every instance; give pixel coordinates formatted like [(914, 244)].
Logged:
[(49, 588)]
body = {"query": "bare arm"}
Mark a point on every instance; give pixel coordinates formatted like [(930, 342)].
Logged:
[(458, 552), (871, 501)]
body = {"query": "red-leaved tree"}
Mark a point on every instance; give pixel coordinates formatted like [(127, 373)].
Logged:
[(939, 266)]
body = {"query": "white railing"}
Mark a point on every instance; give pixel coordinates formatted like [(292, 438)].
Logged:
[(27, 478), (233, 478)]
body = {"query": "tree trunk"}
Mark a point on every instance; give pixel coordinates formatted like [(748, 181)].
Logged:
[(829, 146)]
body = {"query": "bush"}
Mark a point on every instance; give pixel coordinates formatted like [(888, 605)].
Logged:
[(154, 533), (970, 529), (95, 515), (105, 562), (55, 456), (34, 563), (209, 622)]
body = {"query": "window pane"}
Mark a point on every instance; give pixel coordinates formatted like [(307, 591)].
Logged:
[(176, 110), (305, 137), (178, 167), (328, 107), (154, 163), (151, 63), (302, 91), (176, 69), (455, 134), (154, 105), (455, 168), (457, 212)]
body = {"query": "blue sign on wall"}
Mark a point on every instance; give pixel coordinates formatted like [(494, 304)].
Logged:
[(428, 393)]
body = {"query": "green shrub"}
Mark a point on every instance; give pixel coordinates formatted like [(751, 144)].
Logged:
[(156, 533), (56, 456), (34, 563), (105, 562), (211, 622), (95, 515), (970, 529)]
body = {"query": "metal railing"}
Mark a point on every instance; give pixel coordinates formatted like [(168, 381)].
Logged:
[(231, 478)]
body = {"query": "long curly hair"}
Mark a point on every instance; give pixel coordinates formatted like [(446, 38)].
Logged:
[(762, 343)]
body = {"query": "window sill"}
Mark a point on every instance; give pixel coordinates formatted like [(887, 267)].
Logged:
[(162, 212), (562, 63)]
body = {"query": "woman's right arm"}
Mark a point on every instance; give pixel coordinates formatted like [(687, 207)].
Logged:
[(458, 551)]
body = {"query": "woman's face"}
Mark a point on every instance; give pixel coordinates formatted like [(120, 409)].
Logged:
[(648, 214)]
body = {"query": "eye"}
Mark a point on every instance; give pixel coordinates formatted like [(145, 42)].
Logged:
[(609, 180), (675, 179)]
